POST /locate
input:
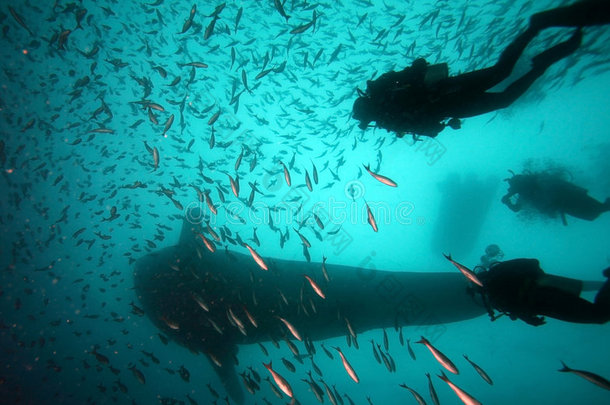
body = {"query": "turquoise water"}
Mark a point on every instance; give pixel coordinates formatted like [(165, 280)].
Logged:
[(73, 133)]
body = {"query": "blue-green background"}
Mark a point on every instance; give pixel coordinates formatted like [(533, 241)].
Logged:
[(447, 200)]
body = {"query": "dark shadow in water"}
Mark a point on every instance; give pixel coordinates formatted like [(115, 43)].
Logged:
[(464, 202)]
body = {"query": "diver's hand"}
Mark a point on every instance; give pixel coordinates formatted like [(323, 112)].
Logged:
[(534, 320), (455, 123), (507, 201)]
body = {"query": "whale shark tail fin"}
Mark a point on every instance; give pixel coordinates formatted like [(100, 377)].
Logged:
[(225, 368), (607, 204)]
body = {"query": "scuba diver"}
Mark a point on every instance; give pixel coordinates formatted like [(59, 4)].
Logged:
[(550, 194), (423, 99), (493, 254), (520, 289)]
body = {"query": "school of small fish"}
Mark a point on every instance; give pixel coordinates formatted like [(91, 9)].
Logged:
[(116, 116)]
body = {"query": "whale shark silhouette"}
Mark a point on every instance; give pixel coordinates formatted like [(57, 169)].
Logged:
[(204, 300)]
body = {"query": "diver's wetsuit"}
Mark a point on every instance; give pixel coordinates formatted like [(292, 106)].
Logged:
[(404, 103), (522, 290)]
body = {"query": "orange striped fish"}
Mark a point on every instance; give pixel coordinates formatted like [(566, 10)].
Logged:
[(348, 367), (385, 180), (440, 357), (257, 258), (315, 286)]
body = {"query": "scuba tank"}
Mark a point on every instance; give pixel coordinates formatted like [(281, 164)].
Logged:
[(436, 73)]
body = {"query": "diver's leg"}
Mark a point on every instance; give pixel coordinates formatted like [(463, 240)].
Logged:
[(471, 101), (484, 79), (602, 299), (581, 205), (566, 306), (470, 105), (589, 285), (541, 63), (580, 14), (571, 285), (558, 52)]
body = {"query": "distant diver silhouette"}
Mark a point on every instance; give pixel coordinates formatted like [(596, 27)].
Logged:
[(422, 99), (520, 289), (493, 254), (551, 195)]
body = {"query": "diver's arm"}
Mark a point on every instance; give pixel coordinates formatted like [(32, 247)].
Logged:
[(591, 285), (506, 201), (431, 129)]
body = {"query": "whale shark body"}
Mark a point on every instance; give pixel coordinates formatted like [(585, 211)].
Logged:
[(213, 302)]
